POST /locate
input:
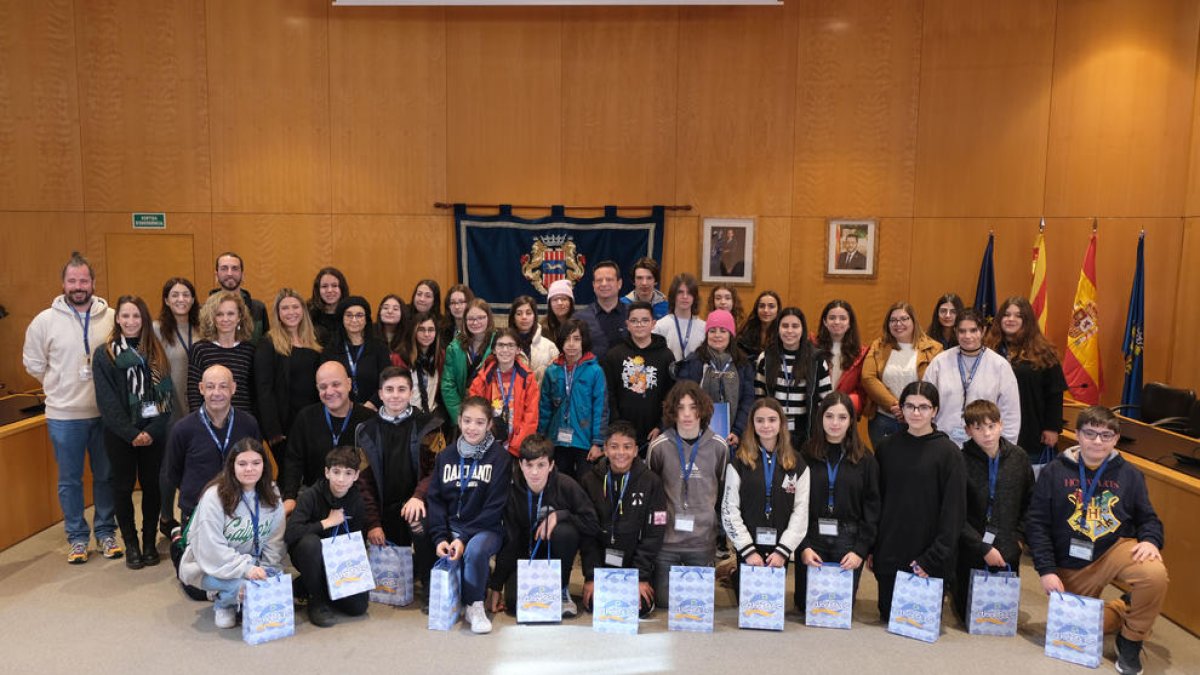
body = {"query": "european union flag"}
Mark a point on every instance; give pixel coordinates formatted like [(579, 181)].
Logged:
[(1135, 327), (985, 288)]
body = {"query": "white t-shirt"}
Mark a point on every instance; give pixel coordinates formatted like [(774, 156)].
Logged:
[(901, 369)]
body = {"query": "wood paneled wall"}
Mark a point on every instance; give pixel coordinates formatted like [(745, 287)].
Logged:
[(301, 134)]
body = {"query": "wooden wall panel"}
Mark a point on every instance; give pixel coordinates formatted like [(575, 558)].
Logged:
[(28, 504), (388, 108), (1185, 361), (389, 254), (279, 250), (619, 149), (504, 113), (138, 263), (187, 252), (39, 107), (737, 71), (268, 68), (856, 108), (36, 245), (1192, 206), (143, 84), (1124, 79), (985, 105)]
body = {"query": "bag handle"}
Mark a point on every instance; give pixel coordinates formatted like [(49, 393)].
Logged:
[(917, 577)]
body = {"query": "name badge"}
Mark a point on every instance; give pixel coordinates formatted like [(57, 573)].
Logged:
[(989, 537), (85, 373), (685, 523), (827, 527), (1081, 549), (565, 435), (765, 536), (149, 409), (614, 557)]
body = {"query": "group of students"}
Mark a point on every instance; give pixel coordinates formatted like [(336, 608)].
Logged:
[(415, 418)]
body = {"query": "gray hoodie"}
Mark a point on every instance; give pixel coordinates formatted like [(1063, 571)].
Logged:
[(222, 546), (54, 355)]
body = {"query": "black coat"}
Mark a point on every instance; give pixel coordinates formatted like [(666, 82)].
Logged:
[(636, 530), (1014, 487), (280, 398)]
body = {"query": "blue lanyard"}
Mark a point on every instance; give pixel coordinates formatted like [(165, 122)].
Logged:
[(85, 322), (464, 480), (506, 397), (568, 382), (831, 472), (768, 476), (254, 520), (533, 523), (683, 339), (187, 346), (787, 374), (337, 436), (221, 447), (687, 466), (352, 359), (964, 377), (1089, 494), (993, 473)]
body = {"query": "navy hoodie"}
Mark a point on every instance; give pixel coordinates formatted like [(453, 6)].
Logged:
[(1055, 517), (482, 499)]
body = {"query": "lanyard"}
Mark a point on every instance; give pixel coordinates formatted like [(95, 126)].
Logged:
[(568, 382), (964, 377), (464, 480), (1089, 494), (687, 466), (85, 322), (831, 472), (787, 374), (993, 473), (337, 436), (768, 476), (254, 520), (610, 491), (352, 359), (187, 346), (533, 522), (683, 339), (221, 447), (506, 397), (718, 375)]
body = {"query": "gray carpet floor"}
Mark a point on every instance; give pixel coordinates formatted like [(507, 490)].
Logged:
[(102, 617)]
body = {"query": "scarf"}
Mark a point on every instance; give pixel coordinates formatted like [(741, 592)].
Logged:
[(407, 413), (126, 357), (721, 386), (468, 451)]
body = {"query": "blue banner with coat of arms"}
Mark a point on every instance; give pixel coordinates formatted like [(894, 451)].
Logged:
[(503, 256)]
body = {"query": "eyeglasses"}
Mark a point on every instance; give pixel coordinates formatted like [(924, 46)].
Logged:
[(426, 329), (639, 322), (1092, 434), (355, 316), (899, 319), (924, 408), (505, 346), (476, 319)]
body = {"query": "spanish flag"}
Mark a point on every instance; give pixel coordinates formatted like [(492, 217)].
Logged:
[(1081, 364), (1037, 294)]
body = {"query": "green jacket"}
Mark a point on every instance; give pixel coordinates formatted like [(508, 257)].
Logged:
[(457, 375)]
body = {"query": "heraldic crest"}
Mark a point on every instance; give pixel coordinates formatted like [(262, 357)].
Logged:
[(550, 258)]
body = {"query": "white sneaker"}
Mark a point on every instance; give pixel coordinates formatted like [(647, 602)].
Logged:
[(569, 610), (226, 617), (477, 617)]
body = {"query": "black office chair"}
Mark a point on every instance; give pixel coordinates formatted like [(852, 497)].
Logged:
[(1164, 407), (1194, 421)]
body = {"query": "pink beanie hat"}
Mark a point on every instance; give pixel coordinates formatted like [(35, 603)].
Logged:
[(719, 318), (560, 287)]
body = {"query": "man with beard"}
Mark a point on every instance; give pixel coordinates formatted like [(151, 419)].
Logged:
[(229, 269)]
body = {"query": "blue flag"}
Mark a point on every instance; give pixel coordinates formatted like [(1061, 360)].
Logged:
[(985, 288), (1135, 327)]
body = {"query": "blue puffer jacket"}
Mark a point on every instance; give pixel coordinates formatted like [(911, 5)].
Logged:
[(692, 368), (586, 411)]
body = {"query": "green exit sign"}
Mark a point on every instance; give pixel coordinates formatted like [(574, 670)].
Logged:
[(149, 221)]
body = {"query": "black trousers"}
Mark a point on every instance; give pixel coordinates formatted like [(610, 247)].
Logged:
[(564, 545), (572, 461), (960, 590), (831, 551), (399, 532), (132, 465), (886, 577), (306, 556)]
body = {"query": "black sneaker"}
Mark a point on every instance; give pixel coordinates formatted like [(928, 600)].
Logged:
[(320, 614), (1129, 656)]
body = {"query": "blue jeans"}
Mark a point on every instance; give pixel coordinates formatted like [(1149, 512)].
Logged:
[(227, 589), (72, 439), (668, 559), (476, 561), (880, 427)]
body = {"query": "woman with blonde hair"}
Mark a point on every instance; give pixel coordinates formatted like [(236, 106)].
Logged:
[(285, 369), (899, 356), (224, 340)]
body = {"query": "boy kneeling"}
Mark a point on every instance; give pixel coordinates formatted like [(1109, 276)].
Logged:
[(320, 510), (1091, 522), (546, 511)]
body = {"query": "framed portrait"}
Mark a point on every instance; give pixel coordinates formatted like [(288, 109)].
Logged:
[(852, 248), (727, 251)]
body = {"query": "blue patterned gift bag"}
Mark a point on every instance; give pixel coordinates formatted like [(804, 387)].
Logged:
[(539, 591), (916, 607), (691, 596), (445, 584), (268, 610), (347, 570), (761, 597), (392, 567), (829, 596), (1075, 629), (615, 601), (993, 602)]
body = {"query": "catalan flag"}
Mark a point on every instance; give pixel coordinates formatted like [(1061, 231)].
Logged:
[(1037, 293), (1081, 363), (1135, 326)]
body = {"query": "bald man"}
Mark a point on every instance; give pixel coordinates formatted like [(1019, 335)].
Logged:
[(318, 429)]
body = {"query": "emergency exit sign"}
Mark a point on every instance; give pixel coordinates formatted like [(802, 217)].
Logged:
[(149, 221)]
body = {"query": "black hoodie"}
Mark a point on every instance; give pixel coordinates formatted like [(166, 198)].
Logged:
[(314, 505), (635, 529), (924, 502), (638, 381), (1014, 486)]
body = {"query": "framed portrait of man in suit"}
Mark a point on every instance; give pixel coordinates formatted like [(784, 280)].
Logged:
[(727, 251), (852, 249)]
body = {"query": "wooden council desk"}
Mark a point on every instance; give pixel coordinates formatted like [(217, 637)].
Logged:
[(1175, 494)]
